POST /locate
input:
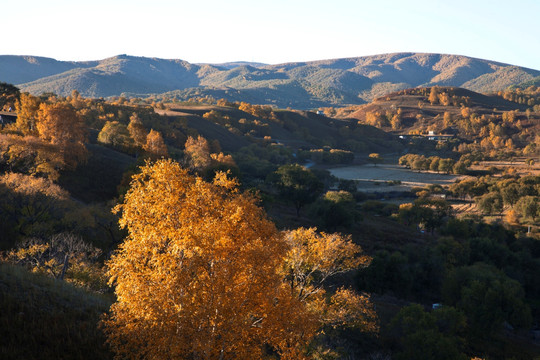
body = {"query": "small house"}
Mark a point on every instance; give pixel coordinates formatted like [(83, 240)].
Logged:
[(7, 117)]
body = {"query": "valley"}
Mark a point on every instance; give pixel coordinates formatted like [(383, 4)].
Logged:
[(340, 200)]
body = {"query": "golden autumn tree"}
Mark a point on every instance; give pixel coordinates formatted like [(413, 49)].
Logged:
[(434, 95), (155, 146), (59, 124), (31, 155), (197, 153), (137, 131), (27, 112), (200, 274), (312, 259)]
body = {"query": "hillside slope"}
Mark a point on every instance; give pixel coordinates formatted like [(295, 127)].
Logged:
[(301, 85), (44, 318), (418, 115)]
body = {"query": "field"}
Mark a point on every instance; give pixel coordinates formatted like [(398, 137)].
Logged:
[(372, 178), (518, 167)]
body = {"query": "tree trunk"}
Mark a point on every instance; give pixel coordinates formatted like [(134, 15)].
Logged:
[(65, 267)]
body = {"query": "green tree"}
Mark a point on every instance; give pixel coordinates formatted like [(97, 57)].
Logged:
[(446, 165), (297, 184), (490, 203), (510, 194), (431, 336), (487, 297), (434, 165), (528, 207), (459, 168), (420, 162), (335, 209), (115, 134)]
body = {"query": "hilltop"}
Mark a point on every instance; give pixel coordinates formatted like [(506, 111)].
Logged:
[(300, 85), (416, 114)]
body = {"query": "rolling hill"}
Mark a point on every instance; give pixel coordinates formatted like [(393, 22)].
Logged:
[(419, 115), (300, 85)]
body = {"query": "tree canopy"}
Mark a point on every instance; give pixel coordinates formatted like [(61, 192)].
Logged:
[(203, 274), (297, 184), (198, 276)]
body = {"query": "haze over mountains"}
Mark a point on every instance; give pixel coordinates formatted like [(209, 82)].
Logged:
[(299, 85)]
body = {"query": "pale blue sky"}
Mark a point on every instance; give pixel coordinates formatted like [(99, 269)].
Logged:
[(272, 32)]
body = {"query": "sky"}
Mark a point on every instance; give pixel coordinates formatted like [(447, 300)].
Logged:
[(272, 32)]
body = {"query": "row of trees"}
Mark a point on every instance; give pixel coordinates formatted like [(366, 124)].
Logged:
[(529, 96), (133, 138), (434, 163)]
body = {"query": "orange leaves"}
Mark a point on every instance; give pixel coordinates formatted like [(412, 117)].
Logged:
[(201, 275), (27, 108), (312, 259), (60, 124), (197, 276), (197, 152), (155, 146), (350, 309), (137, 131)]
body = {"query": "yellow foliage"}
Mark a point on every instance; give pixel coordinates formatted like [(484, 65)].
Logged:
[(27, 109), (512, 217), (62, 255), (32, 155), (59, 124), (406, 206), (155, 146), (197, 152), (434, 95), (137, 131), (31, 185), (313, 258), (223, 159), (197, 276), (351, 310)]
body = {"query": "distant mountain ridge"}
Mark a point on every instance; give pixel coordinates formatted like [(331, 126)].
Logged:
[(300, 85)]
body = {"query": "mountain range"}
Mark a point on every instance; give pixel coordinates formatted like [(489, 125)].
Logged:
[(301, 85)]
